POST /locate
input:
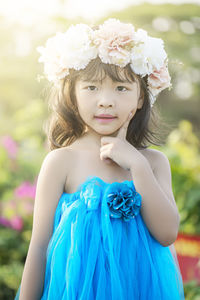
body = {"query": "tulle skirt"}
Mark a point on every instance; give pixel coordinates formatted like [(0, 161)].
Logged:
[(92, 255)]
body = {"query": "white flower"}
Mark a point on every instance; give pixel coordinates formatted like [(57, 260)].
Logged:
[(79, 50), (115, 40), (140, 36), (148, 55), (51, 56), (72, 49)]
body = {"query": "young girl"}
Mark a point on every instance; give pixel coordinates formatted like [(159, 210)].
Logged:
[(104, 214)]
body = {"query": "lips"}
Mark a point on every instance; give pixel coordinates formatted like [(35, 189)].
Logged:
[(105, 116)]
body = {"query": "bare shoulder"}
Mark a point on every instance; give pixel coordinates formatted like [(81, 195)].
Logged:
[(56, 166), (60, 158), (58, 153), (50, 186), (155, 158)]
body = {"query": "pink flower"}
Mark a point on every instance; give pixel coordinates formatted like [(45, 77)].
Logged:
[(159, 80), (17, 223), (115, 40), (10, 145), (25, 190), (4, 222)]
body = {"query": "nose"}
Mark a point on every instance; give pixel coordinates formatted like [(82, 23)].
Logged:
[(106, 99)]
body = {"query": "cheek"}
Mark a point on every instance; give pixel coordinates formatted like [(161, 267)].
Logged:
[(85, 108), (127, 106)]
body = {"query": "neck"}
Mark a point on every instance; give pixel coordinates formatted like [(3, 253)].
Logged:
[(91, 140)]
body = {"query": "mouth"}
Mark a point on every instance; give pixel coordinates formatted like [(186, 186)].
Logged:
[(105, 119)]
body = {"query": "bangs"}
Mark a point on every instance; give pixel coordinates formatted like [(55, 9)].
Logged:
[(97, 71)]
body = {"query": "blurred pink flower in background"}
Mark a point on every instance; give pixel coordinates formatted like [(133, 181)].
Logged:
[(17, 223), (25, 190), (10, 145), (14, 211), (5, 222)]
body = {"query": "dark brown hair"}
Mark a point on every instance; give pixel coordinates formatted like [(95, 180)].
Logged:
[(65, 124)]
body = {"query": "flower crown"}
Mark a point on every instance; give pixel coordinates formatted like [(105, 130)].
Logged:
[(114, 43)]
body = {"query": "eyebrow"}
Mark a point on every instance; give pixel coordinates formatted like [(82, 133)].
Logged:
[(95, 81), (92, 80)]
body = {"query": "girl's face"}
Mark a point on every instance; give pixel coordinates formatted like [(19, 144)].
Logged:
[(106, 97)]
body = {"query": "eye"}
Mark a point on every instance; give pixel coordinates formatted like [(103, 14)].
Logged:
[(91, 87), (122, 88)]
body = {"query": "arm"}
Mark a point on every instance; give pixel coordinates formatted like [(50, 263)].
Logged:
[(49, 189), (159, 210)]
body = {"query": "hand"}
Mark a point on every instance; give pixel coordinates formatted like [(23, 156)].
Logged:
[(119, 150)]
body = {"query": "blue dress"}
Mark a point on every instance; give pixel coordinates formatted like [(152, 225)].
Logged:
[(101, 249)]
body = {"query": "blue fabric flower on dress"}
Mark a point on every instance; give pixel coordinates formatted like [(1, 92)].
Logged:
[(123, 201)]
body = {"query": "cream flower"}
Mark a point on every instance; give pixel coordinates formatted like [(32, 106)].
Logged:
[(72, 49), (148, 55), (115, 40), (159, 80), (140, 36), (79, 49), (51, 56)]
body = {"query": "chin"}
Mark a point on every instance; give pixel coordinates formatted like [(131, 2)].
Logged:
[(104, 130), (107, 131)]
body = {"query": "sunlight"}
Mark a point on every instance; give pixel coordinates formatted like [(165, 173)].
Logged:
[(28, 12)]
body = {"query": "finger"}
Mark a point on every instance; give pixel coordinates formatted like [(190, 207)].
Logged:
[(123, 130), (105, 147), (108, 160), (104, 157), (107, 140)]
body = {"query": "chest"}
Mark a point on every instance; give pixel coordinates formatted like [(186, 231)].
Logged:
[(87, 165), (84, 164)]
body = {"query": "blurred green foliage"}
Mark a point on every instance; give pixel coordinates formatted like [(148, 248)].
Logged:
[(182, 149), (192, 290), (23, 111), (23, 165)]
